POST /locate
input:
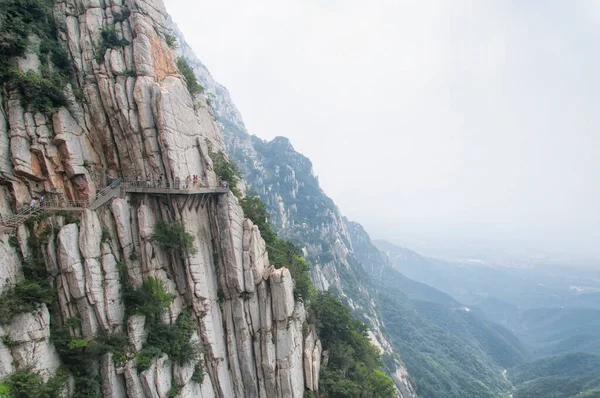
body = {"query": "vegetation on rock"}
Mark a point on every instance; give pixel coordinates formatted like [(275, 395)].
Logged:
[(81, 357), (23, 20), (173, 238), (175, 340), (110, 39), (352, 369), (188, 73), (30, 291), (27, 383), (152, 301), (225, 169)]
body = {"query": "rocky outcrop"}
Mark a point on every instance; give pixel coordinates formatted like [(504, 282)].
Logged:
[(130, 114)]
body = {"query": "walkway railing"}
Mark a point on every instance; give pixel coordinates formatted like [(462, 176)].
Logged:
[(15, 220), (113, 190), (173, 187)]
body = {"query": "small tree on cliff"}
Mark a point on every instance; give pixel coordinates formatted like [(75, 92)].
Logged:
[(172, 237)]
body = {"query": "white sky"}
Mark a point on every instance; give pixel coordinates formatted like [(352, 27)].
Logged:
[(437, 121)]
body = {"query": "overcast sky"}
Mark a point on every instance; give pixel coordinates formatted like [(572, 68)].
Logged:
[(426, 121)]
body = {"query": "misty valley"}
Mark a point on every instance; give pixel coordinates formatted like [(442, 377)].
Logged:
[(548, 315)]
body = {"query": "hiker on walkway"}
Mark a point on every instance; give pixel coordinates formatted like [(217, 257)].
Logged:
[(177, 182), (138, 180), (148, 183), (32, 204), (160, 181), (42, 201), (188, 181)]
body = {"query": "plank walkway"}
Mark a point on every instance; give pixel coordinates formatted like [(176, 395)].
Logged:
[(116, 188)]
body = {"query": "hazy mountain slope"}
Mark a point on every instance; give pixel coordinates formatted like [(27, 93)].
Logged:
[(449, 350), (527, 287), (466, 357), (572, 375), (540, 305), (555, 331)]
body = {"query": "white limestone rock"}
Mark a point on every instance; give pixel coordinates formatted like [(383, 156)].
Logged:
[(10, 262), (30, 337), (69, 259), (282, 286), (312, 359), (136, 331), (114, 307), (113, 384)]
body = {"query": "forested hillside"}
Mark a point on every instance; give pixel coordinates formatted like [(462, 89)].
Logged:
[(567, 376)]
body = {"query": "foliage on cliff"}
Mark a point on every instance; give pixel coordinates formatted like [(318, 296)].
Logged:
[(225, 169), (186, 71), (22, 20), (27, 294), (26, 383), (281, 252), (352, 369), (173, 238)]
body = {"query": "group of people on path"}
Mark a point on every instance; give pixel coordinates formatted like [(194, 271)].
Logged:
[(191, 181), (33, 203)]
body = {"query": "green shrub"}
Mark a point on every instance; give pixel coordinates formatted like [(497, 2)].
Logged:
[(77, 343), (171, 41), (145, 357), (173, 340), (21, 19), (44, 236), (26, 383), (43, 93), (225, 169), (150, 300), (80, 357), (174, 390), (28, 293), (198, 375), (172, 238), (110, 39), (353, 364), (120, 16), (188, 73)]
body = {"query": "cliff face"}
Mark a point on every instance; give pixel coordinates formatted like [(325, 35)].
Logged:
[(301, 212), (128, 112)]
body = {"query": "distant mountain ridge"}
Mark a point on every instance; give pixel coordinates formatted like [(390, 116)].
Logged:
[(548, 319)]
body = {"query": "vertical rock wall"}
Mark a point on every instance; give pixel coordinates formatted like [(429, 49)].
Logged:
[(135, 116)]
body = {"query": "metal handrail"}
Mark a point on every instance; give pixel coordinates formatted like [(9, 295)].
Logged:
[(105, 194), (165, 184)]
